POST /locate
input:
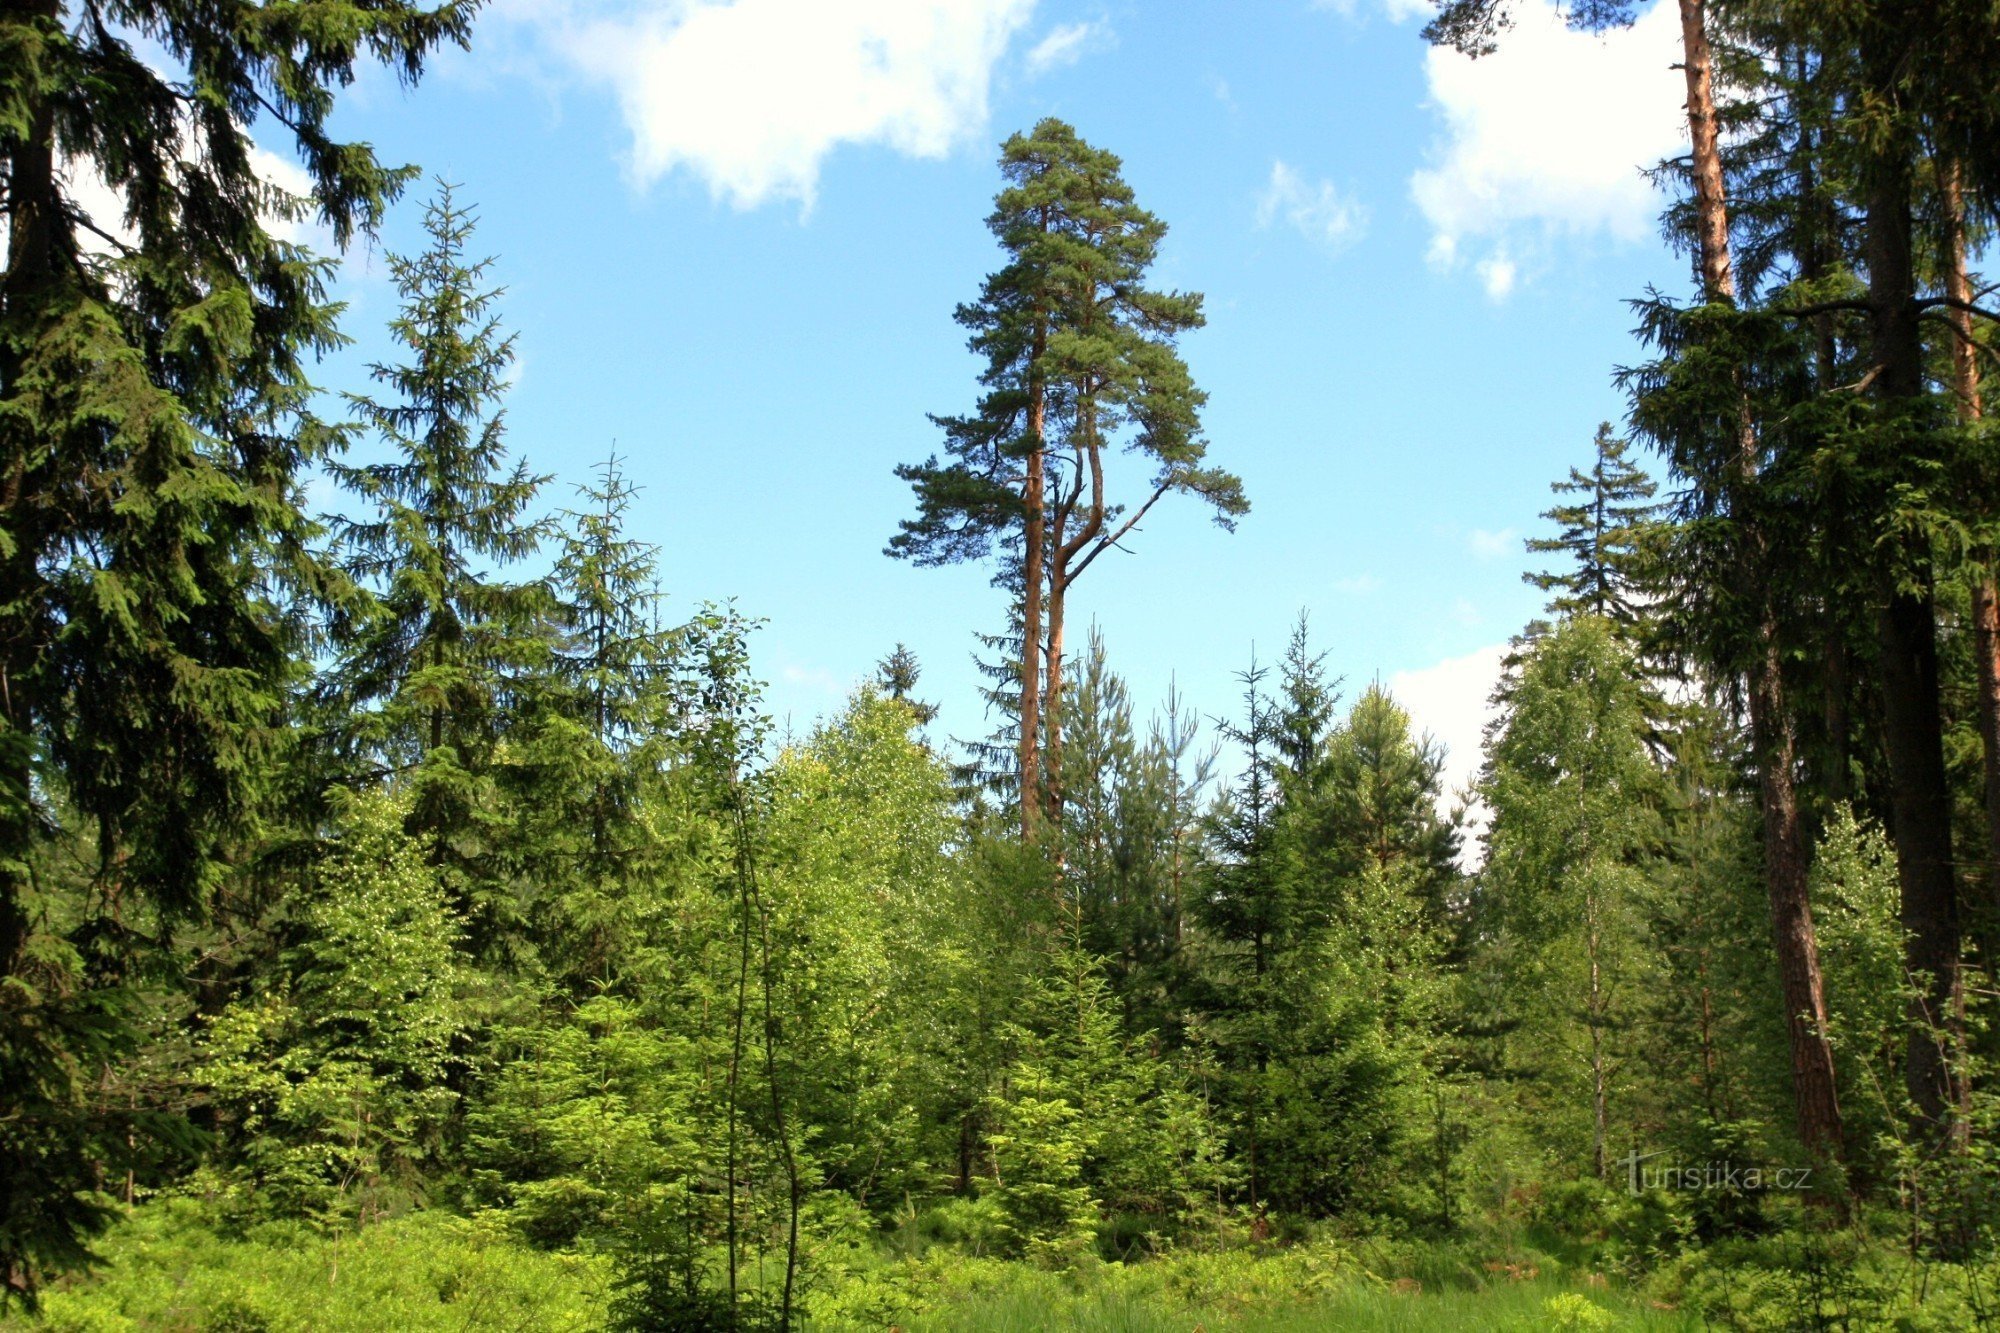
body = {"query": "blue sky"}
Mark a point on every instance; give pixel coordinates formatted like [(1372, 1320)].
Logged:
[(733, 235)]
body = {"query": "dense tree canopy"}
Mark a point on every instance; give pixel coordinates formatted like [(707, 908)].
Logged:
[(424, 882)]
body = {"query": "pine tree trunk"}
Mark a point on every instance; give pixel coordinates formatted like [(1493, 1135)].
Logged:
[(1034, 540), (1814, 1100), (1064, 549), (1906, 634), (1985, 595), (1052, 701), (1815, 1103), (1711, 201)]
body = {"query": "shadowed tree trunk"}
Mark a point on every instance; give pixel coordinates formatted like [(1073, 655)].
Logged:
[(38, 245), (1033, 542), (1815, 1103), (1985, 595), (1906, 624)]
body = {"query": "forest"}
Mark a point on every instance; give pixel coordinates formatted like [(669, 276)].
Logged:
[(412, 917)]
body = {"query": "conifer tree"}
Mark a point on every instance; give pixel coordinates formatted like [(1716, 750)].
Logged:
[(1309, 702), (1602, 532), (1573, 794), (1707, 912), (1105, 856), (612, 645), (153, 423), (433, 673), (1242, 912), (1174, 784), (1375, 803), (1132, 835), (1322, 938), (1081, 364), (897, 674), (598, 725), (1717, 445)]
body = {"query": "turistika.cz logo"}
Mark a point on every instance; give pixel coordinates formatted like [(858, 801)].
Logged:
[(1733, 1176)]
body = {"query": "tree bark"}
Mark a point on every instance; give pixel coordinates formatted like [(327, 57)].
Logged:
[(1906, 635), (1711, 200), (1034, 541), (1087, 489), (1053, 799), (1815, 1102), (1985, 595), (40, 248)]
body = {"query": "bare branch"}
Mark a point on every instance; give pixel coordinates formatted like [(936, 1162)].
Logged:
[(1106, 543)]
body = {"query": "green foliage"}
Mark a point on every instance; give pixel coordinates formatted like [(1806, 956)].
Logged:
[(1331, 910), (1067, 326), (1861, 948), (609, 770), (155, 422), (1574, 796), (420, 885), (335, 1087), (1719, 1057), (171, 1267), (1090, 1124), (589, 1125), (1374, 793), (1132, 837), (1606, 534), (429, 672)]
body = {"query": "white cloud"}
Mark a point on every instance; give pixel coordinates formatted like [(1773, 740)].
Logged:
[(100, 203), (1492, 545), (1359, 584), (1452, 701), (752, 95), (1316, 211), (1067, 44), (1544, 140), (1497, 275)]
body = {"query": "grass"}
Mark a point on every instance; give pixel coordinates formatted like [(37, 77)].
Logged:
[(1539, 1305), (1325, 1283), (168, 1269)]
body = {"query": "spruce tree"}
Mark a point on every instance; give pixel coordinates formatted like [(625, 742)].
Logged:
[(597, 728), (432, 675), (897, 674), (1243, 914), (1603, 532), (1132, 838), (1720, 446), (153, 425), (1374, 804), (1309, 702)]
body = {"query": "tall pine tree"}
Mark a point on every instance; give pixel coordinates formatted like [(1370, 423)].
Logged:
[(1081, 364)]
